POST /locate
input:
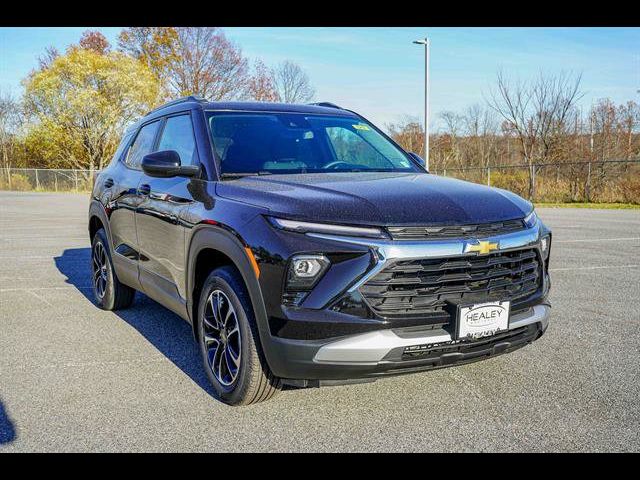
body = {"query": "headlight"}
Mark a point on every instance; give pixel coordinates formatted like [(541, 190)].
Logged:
[(331, 229), (305, 270), (531, 219)]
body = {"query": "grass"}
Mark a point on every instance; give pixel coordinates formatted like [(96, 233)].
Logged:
[(605, 206)]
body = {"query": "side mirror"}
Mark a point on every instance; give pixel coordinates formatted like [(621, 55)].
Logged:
[(167, 164), (419, 159)]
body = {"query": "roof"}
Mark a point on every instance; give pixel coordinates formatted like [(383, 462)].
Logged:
[(184, 103), (277, 107)]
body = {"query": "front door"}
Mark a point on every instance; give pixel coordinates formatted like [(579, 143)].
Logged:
[(161, 234)]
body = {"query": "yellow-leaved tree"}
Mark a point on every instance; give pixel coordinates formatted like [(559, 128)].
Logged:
[(80, 103)]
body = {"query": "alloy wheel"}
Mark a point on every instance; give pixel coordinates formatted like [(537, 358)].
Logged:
[(100, 276), (221, 337)]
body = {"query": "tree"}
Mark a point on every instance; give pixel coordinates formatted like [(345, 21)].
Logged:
[(537, 112), (95, 41), (45, 60), (156, 47), (208, 64), (10, 120), (80, 104), (190, 60), (409, 133), (482, 132), (292, 83), (261, 87)]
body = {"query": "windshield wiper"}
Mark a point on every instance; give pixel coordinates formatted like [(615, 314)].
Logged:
[(242, 174)]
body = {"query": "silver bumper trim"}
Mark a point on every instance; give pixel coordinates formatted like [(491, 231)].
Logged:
[(371, 348)]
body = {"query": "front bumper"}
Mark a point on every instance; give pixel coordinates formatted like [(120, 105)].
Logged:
[(395, 351), (324, 341)]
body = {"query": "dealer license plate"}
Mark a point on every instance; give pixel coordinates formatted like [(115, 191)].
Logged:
[(482, 319)]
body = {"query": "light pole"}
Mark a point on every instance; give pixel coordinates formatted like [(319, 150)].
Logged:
[(425, 42)]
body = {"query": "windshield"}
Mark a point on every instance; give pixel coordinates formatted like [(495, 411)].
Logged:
[(262, 143)]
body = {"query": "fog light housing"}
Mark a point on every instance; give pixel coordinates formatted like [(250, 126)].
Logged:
[(305, 271), (545, 246)]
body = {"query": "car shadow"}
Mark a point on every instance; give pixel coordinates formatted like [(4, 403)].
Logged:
[(7, 429), (165, 330)]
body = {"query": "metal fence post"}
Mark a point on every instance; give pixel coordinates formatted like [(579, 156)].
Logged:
[(75, 174), (37, 182), (587, 189), (488, 176)]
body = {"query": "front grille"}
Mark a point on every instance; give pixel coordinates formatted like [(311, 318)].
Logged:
[(455, 231), (423, 287)]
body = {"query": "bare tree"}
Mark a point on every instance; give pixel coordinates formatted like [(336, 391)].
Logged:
[(536, 112), (454, 125), (292, 83), (408, 132), (208, 64), (482, 143), (45, 60), (260, 86), (10, 119)]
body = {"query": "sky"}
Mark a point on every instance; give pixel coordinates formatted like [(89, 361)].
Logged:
[(379, 72)]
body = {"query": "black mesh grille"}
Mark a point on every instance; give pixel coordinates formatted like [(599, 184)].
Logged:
[(412, 287), (455, 231)]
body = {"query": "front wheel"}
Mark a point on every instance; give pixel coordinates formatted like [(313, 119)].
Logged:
[(229, 341)]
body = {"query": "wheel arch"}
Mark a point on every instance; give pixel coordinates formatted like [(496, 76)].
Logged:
[(98, 219), (212, 247)]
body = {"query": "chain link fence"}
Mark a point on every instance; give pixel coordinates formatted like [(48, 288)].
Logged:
[(46, 180), (602, 181), (609, 181)]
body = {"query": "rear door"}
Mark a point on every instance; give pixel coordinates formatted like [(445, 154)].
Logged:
[(161, 234), (124, 202)]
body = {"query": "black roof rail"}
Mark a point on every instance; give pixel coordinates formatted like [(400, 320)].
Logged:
[(326, 104), (190, 98)]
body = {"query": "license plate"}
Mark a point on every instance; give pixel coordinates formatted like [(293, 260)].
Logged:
[(482, 319)]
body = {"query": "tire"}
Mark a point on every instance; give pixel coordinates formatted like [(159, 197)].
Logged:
[(108, 292), (230, 341)]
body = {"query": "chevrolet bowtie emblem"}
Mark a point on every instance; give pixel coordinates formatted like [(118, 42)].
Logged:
[(481, 247)]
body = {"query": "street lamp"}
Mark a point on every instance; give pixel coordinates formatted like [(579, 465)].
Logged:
[(425, 42)]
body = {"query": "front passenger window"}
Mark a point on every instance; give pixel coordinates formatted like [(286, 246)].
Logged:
[(178, 135)]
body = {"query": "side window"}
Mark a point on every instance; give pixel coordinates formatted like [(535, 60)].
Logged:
[(121, 148), (142, 145), (178, 135)]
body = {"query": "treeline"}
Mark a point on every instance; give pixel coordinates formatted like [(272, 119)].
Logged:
[(76, 104), (528, 124)]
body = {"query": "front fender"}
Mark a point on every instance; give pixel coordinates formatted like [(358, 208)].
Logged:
[(230, 244)]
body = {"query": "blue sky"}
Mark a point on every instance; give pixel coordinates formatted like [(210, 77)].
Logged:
[(379, 72)]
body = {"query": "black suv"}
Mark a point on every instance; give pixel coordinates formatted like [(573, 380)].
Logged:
[(306, 247)]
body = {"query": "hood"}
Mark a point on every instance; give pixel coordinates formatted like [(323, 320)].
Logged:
[(361, 198)]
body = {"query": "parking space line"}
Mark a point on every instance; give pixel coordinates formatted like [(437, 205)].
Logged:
[(621, 239), (592, 268), (3, 290), (39, 297)]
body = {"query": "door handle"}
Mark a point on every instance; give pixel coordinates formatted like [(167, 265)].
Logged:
[(144, 189), (108, 183)]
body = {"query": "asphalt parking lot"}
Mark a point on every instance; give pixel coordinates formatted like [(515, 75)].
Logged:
[(76, 378)]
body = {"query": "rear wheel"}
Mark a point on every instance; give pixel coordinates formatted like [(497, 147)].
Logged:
[(229, 341), (109, 293)]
